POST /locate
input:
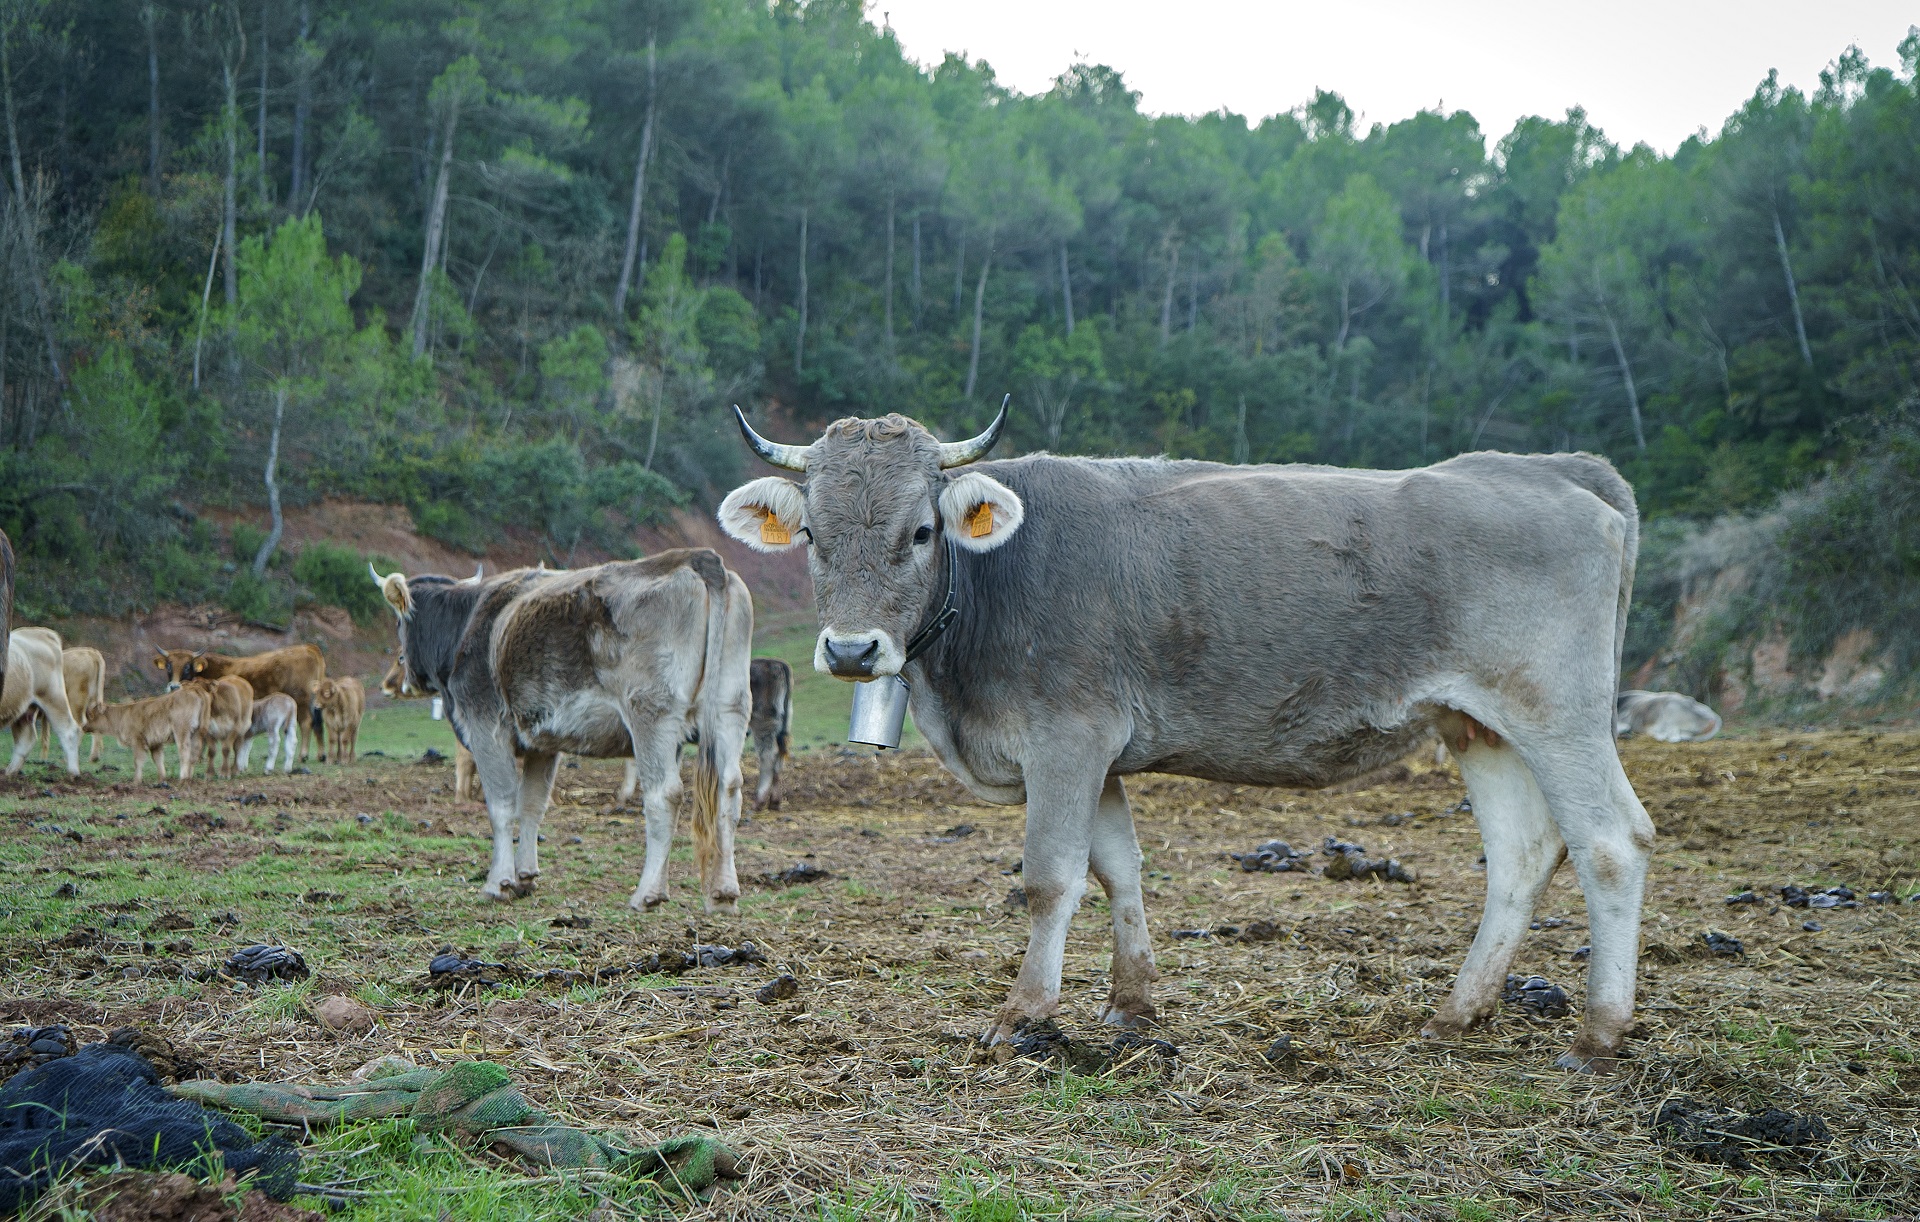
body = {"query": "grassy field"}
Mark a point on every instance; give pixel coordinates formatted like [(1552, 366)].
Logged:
[(867, 1096)]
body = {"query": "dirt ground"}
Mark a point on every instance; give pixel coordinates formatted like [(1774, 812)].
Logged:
[(1294, 1084)]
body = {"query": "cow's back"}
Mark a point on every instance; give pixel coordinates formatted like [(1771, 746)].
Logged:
[(638, 627), (1264, 623)]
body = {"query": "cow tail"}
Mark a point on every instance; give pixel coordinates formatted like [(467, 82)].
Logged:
[(706, 764)]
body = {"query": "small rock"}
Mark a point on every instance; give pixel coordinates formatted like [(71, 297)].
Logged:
[(1811, 926), (66, 891), (1281, 1051), (780, 988), (1582, 954), (1747, 896), (344, 1014)]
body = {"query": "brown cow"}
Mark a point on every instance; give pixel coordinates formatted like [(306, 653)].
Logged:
[(771, 724), (340, 703), (228, 723), (293, 670), (145, 727), (466, 779)]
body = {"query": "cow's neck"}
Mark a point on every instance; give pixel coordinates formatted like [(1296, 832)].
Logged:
[(436, 626)]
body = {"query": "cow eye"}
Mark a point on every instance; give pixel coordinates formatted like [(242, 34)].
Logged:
[(923, 534), (807, 533)]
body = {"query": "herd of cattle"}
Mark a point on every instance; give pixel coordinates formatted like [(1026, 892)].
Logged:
[(1061, 623)]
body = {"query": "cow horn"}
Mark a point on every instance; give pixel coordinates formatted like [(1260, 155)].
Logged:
[(960, 453), (793, 458)]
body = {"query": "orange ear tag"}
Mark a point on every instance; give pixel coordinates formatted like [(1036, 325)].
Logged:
[(773, 530), (980, 521)]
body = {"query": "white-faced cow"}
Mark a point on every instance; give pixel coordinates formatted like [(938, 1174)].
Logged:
[(631, 659), (1064, 622), (1666, 717)]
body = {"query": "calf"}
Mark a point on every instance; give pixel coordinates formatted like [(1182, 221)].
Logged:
[(340, 703), (145, 726), (293, 670), (1667, 717), (275, 716), (227, 724), (771, 722), (631, 659), (33, 681)]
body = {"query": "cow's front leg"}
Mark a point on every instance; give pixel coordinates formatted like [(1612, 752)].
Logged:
[(1060, 811), (536, 790), (1115, 857), (501, 777)]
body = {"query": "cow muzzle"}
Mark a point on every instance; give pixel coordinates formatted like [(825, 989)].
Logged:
[(857, 655)]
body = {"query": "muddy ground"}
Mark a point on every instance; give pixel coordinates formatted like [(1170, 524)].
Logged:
[(1299, 1089)]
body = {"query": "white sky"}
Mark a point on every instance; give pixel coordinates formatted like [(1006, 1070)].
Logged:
[(1646, 71)]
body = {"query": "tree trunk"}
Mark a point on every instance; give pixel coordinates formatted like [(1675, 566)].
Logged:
[(231, 120), (436, 222), (1066, 289), (150, 17), (1166, 302), (206, 297), (979, 306), (1240, 447), (302, 102), (1793, 290), (800, 336), (27, 220), (272, 541), (889, 311), (635, 206), (916, 271), (1626, 379), (659, 401), (265, 61)]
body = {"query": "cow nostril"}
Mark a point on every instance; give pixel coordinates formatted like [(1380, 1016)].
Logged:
[(871, 652)]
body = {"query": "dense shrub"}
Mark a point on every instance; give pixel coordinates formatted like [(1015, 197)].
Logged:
[(337, 576)]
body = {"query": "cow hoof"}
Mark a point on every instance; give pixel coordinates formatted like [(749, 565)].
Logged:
[(1133, 1019), (774, 804), (1443, 1029), (1580, 1063), (498, 893), (722, 908)]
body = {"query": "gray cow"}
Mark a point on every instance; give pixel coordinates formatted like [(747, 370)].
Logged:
[(631, 659), (1274, 625), (1666, 717), (772, 726)]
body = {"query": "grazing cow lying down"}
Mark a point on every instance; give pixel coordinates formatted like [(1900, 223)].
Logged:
[(293, 670), (226, 725), (144, 727), (1667, 717), (274, 716), (625, 659), (341, 703), (33, 681), (771, 722), (84, 670)]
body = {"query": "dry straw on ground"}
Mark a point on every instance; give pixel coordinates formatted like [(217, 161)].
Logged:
[(867, 1095)]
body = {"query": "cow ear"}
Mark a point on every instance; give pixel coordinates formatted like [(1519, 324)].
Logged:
[(393, 588), (980, 512), (767, 515)]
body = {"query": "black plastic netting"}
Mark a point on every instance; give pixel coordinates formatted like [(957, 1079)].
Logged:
[(103, 1106)]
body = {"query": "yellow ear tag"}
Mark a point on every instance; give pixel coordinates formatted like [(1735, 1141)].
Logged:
[(773, 530), (980, 521)]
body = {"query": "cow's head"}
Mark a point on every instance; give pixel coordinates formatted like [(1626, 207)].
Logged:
[(179, 665), (878, 500), (395, 685)]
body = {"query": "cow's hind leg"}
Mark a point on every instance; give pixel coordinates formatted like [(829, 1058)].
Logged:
[(719, 787), (1610, 841), (536, 790), (1061, 798), (1523, 850), (656, 774), (1115, 858)]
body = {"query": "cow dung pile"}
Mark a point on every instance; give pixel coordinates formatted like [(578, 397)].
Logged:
[(1735, 1139), (261, 964), (1273, 857), (1351, 861), (1045, 1041), (27, 1047), (1537, 995)]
